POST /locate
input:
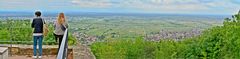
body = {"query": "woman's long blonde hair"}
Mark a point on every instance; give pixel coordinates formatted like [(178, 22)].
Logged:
[(61, 18)]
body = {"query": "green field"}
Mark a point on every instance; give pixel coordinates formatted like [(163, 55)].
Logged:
[(130, 27)]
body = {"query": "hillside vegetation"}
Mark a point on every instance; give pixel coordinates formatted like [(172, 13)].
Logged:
[(217, 42), (20, 32)]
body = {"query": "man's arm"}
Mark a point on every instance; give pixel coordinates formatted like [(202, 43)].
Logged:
[(33, 22)]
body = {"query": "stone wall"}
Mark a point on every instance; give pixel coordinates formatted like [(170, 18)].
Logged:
[(28, 51)]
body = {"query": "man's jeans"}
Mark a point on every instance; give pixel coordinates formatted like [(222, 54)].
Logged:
[(37, 40)]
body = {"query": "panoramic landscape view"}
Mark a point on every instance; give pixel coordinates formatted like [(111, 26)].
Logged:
[(119, 29)]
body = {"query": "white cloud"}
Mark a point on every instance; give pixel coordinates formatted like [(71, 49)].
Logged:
[(146, 5), (174, 6), (92, 3), (183, 6), (165, 5)]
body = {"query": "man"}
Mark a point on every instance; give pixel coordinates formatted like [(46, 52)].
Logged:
[(37, 25)]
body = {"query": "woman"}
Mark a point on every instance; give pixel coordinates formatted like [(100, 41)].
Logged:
[(37, 25), (60, 25)]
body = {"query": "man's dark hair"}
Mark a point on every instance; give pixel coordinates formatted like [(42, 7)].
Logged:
[(38, 13)]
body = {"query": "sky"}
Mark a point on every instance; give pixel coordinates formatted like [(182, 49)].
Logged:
[(125, 6)]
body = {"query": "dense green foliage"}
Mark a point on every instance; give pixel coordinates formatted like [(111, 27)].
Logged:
[(220, 42), (20, 32)]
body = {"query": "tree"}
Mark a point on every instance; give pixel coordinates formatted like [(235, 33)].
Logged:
[(235, 20)]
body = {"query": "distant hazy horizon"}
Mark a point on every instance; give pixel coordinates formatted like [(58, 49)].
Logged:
[(81, 13)]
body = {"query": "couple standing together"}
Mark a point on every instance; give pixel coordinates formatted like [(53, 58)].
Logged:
[(38, 29)]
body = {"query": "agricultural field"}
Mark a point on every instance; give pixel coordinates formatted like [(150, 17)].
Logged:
[(101, 28)]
